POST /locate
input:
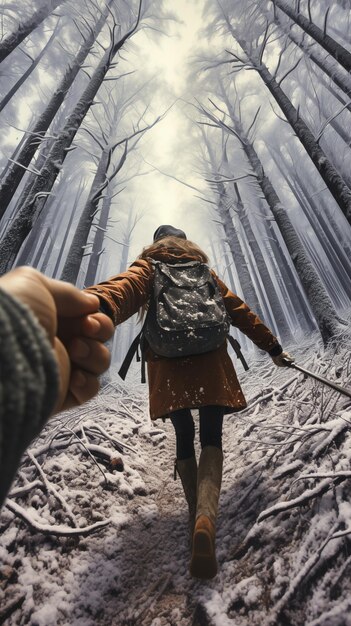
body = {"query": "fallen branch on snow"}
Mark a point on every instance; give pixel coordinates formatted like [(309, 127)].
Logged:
[(57, 531), (300, 501), (274, 617), (342, 475)]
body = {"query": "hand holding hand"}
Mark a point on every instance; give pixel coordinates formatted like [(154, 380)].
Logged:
[(279, 360), (75, 329)]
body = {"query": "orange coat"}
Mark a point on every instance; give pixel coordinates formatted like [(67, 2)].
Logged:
[(190, 381)]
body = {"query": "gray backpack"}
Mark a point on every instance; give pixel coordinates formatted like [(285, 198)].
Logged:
[(186, 314)]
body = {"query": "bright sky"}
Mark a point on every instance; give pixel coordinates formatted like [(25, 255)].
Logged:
[(167, 145)]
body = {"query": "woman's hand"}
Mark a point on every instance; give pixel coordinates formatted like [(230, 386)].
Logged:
[(283, 359)]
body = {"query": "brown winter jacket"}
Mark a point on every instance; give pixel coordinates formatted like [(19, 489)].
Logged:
[(191, 381)]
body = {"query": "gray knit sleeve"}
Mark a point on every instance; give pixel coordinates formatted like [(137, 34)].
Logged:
[(29, 384)]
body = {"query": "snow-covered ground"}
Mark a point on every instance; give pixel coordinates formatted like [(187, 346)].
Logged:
[(84, 544)]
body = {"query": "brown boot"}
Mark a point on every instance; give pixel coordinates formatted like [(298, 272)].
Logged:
[(187, 470), (203, 559)]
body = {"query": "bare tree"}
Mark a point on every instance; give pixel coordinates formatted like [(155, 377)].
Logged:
[(331, 177), (229, 204), (101, 180), (262, 33), (329, 44), (293, 293), (325, 63), (266, 278), (25, 28), (68, 228), (318, 298), (36, 135), (97, 248), (330, 117), (223, 205), (340, 281), (34, 62), (23, 223)]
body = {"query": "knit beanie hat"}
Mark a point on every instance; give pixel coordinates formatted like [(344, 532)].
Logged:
[(166, 230)]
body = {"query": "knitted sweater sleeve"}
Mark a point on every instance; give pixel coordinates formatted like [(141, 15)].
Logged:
[(29, 384)]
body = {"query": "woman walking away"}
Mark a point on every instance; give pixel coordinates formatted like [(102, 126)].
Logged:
[(189, 377)]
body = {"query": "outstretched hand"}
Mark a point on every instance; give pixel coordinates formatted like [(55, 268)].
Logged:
[(283, 359), (75, 329)]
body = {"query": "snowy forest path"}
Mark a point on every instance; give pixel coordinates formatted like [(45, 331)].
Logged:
[(282, 538)]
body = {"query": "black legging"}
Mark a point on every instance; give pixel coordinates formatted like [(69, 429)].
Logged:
[(211, 422)]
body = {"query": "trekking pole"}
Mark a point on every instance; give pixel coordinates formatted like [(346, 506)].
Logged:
[(346, 392)]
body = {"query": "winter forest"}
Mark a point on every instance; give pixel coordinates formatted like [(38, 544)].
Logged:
[(230, 119)]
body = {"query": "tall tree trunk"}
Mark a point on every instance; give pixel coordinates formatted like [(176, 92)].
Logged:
[(74, 257), (329, 44), (317, 296), (122, 336), (68, 228), (97, 249), (14, 154), (25, 28), (229, 271), (37, 133), (331, 177), (223, 211), (327, 65), (43, 263), (27, 73), (330, 247), (30, 181), (237, 252), (334, 123), (101, 182), (28, 249), (330, 227), (297, 304), (23, 223), (278, 313), (44, 241)]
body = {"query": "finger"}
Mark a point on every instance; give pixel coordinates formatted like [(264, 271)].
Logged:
[(97, 326), (70, 301), (89, 355)]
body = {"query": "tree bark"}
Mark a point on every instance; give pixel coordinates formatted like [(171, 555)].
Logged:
[(331, 177), (97, 248), (329, 44), (327, 65), (297, 303), (74, 257), (25, 28), (27, 73), (317, 296), (37, 133), (341, 270), (68, 228), (223, 211), (23, 223), (278, 313)]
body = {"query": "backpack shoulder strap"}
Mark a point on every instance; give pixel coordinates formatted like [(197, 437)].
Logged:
[(122, 372), (237, 349)]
